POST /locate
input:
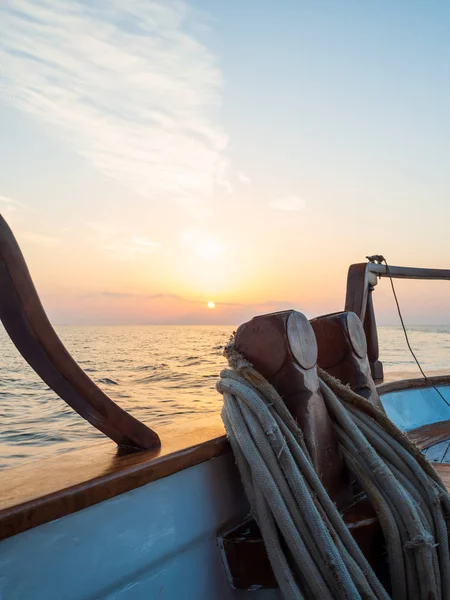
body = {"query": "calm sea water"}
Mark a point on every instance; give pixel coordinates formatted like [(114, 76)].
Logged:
[(159, 374)]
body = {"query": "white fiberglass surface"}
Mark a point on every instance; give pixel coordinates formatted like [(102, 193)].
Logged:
[(409, 409)]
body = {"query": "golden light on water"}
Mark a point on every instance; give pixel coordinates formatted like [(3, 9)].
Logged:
[(211, 304)]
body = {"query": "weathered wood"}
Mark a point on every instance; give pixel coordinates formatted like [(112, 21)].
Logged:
[(409, 272), (342, 352), (371, 332), (282, 347), (438, 452), (359, 300), (247, 563), (357, 289), (431, 434), (360, 280), (245, 557), (27, 324), (45, 490)]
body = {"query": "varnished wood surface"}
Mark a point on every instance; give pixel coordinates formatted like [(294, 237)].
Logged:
[(430, 434), (42, 491), (412, 384), (27, 325), (444, 472)]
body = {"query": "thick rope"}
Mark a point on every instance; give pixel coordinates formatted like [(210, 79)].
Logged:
[(311, 551)]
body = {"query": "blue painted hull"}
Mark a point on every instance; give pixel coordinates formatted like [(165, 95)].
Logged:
[(410, 409), (157, 541)]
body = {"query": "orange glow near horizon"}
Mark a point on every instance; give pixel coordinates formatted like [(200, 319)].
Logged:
[(197, 195), (87, 284)]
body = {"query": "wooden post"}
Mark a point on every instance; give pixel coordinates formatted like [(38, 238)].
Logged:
[(282, 347), (359, 300), (342, 352), (370, 329)]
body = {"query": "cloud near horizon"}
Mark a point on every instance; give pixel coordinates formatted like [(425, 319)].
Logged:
[(127, 86), (266, 306), (120, 244)]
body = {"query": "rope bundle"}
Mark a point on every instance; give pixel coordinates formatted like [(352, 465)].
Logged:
[(311, 551)]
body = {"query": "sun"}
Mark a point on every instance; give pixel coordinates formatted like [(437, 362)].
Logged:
[(211, 304)]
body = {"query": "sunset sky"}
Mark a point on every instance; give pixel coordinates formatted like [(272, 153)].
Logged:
[(157, 156)]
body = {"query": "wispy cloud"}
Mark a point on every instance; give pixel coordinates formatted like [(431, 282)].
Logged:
[(127, 85), (146, 296), (120, 245), (9, 205), (243, 178), (221, 175), (288, 203)]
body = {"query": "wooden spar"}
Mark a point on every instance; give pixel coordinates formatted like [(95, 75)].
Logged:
[(282, 347), (27, 324), (360, 285), (409, 272), (342, 352)]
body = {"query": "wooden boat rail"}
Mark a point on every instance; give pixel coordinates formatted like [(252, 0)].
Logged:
[(38, 492), (24, 319), (361, 281)]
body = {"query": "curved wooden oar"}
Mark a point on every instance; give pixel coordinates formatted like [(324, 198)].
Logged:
[(27, 324)]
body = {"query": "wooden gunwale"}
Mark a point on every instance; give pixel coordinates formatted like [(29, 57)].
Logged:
[(412, 384), (41, 491), (38, 492)]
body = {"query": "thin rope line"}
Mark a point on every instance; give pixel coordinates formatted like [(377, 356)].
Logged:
[(406, 334)]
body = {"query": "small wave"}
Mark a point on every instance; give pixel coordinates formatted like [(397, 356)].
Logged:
[(107, 381), (153, 367)]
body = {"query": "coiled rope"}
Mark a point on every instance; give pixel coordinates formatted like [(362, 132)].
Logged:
[(311, 551)]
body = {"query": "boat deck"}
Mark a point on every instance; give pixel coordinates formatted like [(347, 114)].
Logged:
[(444, 472), (439, 453)]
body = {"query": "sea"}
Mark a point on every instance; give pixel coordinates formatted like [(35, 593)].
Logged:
[(160, 374)]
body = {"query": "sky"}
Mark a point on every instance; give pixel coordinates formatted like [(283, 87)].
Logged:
[(156, 156)]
